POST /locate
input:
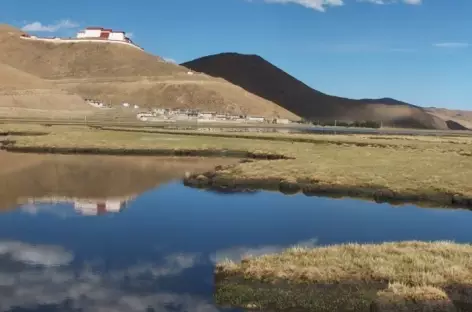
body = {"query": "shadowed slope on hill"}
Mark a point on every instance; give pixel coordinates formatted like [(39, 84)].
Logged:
[(115, 73), (262, 78)]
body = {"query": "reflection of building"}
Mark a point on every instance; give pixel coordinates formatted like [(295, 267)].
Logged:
[(95, 207), (86, 206)]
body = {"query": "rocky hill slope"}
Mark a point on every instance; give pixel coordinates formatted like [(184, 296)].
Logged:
[(262, 78), (116, 73)]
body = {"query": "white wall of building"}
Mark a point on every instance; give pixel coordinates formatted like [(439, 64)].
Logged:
[(117, 36), (93, 33), (258, 119), (81, 40), (81, 34)]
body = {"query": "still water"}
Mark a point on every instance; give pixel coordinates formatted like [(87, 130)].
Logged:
[(156, 250)]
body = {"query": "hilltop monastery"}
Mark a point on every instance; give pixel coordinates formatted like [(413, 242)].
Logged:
[(91, 34), (102, 33)]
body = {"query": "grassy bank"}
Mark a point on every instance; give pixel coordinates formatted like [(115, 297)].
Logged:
[(459, 144), (405, 276), (433, 170)]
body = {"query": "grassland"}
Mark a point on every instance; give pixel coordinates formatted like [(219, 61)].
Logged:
[(404, 276), (433, 170)]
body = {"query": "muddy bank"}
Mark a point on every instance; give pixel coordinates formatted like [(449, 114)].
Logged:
[(235, 292), (11, 147), (22, 133), (216, 181)]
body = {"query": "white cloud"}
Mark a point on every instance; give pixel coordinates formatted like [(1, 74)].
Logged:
[(43, 255), (452, 45), (319, 5), (28, 279), (412, 2), (322, 5), (39, 27), (170, 60)]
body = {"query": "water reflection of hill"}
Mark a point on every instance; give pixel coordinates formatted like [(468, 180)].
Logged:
[(23, 177)]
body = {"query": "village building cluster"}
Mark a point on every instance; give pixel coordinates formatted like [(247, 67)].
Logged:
[(173, 115)]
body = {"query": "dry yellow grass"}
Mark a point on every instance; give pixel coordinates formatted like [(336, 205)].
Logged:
[(437, 264), (454, 142), (400, 276)]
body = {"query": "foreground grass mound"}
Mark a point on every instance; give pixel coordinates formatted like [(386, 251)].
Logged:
[(405, 276)]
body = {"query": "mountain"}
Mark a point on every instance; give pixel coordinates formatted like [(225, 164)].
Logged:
[(258, 76), (115, 73)]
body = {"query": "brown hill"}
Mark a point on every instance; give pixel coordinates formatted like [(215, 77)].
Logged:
[(262, 78), (461, 117), (22, 93), (118, 73)]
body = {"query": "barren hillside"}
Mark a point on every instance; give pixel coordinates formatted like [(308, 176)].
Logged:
[(262, 78), (22, 93), (117, 73), (463, 118)]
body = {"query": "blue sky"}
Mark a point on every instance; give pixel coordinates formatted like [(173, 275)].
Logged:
[(419, 51)]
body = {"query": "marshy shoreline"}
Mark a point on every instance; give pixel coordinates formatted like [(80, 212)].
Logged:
[(428, 171), (212, 181)]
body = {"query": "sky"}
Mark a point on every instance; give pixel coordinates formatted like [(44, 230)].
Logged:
[(418, 51)]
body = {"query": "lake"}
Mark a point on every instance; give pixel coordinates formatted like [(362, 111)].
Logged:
[(123, 234)]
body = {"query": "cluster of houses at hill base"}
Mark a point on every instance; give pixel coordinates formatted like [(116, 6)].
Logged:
[(173, 115)]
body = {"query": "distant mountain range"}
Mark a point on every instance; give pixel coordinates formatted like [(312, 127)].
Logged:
[(258, 76)]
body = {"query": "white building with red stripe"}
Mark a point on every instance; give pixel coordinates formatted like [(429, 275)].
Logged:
[(102, 33)]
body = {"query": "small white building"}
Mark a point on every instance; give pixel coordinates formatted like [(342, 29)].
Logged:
[(206, 115), (159, 111), (90, 32), (145, 116), (282, 121), (117, 35), (255, 119)]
